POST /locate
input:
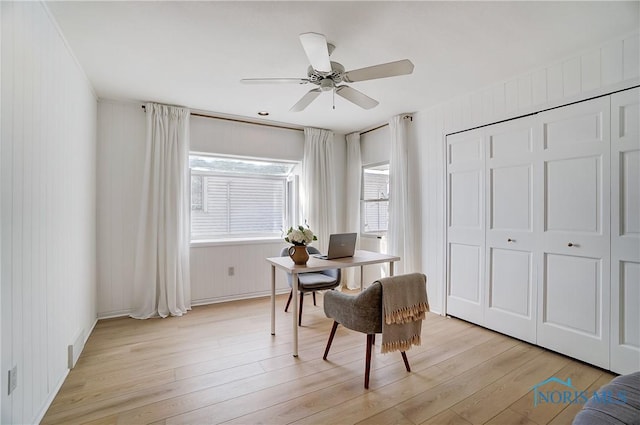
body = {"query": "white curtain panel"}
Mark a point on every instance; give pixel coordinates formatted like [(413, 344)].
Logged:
[(401, 226), (162, 284), (318, 185), (353, 179)]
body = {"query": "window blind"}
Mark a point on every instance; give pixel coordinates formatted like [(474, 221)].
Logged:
[(375, 199), (239, 206)]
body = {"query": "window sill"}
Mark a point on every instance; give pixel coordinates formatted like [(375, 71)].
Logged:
[(374, 235), (236, 241)]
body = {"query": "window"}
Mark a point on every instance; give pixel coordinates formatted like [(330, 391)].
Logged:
[(238, 197), (197, 193), (375, 198)]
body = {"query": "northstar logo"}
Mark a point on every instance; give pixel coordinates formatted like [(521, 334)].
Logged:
[(572, 395)]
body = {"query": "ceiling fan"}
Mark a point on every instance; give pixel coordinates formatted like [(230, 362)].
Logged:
[(329, 76)]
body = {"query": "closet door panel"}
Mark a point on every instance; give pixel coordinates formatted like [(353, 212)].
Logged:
[(465, 272), (625, 231), (572, 294), (465, 195), (510, 141), (510, 239), (574, 215), (465, 226), (573, 190), (629, 312), (629, 173), (511, 196), (510, 282), (568, 131)]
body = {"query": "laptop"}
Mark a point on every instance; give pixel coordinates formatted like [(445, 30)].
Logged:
[(340, 245)]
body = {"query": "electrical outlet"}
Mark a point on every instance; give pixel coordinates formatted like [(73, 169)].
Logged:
[(231, 271), (13, 379)]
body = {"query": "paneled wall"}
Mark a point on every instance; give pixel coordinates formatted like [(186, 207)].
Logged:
[(605, 68), (375, 146), (48, 208), (121, 136), (211, 280)]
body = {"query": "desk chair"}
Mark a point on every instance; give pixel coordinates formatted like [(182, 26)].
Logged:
[(311, 282), (364, 313)]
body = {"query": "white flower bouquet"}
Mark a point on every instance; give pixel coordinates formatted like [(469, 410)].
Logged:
[(300, 236)]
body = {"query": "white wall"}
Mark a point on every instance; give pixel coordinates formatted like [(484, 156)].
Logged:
[(236, 138), (121, 135), (1, 286), (609, 67), (47, 208), (375, 146)]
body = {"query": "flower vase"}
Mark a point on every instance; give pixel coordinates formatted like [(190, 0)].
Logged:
[(299, 254)]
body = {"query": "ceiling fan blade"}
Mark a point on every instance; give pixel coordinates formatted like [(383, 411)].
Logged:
[(384, 70), (274, 80), (315, 46), (306, 100), (354, 96)]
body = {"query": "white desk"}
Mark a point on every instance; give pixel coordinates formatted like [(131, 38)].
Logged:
[(360, 258)]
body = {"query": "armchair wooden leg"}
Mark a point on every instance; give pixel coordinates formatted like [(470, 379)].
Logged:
[(367, 365), (406, 362), (288, 301), (300, 313), (331, 335)]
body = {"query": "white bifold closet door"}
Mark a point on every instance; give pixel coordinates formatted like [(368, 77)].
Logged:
[(543, 229), (574, 289), (510, 298), (491, 240), (625, 232), (465, 225)]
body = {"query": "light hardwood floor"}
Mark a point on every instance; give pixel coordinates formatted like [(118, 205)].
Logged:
[(220, 364)]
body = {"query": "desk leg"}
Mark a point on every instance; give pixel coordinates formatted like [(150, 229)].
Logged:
[(391, 268), (294, 315), (273, 300), (361, 278)]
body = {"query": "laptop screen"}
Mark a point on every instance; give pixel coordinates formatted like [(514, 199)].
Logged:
[(341, 245)]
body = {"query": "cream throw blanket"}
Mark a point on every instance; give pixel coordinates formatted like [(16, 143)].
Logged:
[(404, 304)]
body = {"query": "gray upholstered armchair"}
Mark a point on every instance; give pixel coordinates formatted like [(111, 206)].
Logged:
[(364, 313), (311, 282)]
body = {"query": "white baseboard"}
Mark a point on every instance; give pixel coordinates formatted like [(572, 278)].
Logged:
[(217, 300), (202, 301), (74, 349), (52, 395)]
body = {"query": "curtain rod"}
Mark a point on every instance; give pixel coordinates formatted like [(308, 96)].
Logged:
[(406, 117), (374, 129), (195, 114)]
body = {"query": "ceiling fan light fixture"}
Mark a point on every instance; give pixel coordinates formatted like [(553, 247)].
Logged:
[(327, 84)]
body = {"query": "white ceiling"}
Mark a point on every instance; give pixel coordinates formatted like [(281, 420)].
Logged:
[(195, 53)]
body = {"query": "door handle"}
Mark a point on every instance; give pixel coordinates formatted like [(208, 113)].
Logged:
[(511, 240), (571, 244)]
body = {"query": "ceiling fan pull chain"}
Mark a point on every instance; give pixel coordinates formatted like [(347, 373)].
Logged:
[(334, 98)]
